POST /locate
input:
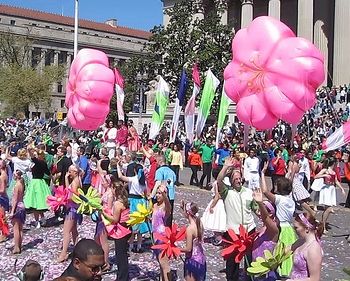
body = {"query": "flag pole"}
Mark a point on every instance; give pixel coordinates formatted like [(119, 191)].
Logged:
[(76, 28)]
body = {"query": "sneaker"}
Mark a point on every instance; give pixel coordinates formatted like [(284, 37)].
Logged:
[(217, 242), (38, 225)]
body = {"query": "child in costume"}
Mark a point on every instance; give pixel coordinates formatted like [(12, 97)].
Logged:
[(285, 206)]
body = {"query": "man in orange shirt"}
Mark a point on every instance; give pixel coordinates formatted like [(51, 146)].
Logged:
[(195, 162)]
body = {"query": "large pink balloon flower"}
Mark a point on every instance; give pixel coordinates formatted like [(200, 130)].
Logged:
[(273, 74)]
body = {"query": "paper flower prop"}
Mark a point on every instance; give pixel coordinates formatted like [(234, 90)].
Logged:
[(47, 139), (4, 227), (273, 74), (116, 231), (59, 199), (89, 90), (270, 262), (87, 202), (168, 240), (142, 214), (238, 244)]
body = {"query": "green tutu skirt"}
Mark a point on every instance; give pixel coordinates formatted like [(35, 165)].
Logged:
[(288, 237), (36, 194)]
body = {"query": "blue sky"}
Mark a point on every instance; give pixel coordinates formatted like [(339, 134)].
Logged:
[(140, 14)]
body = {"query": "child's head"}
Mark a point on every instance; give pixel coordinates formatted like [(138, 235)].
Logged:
[(284, 186), (32, 271)]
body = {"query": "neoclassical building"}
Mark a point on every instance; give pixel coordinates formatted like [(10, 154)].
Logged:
[(324, 22), (53, 42)]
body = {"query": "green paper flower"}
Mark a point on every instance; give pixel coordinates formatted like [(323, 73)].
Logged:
[(88, 202), (261, 266)]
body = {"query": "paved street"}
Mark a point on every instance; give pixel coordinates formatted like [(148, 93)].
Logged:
[(43, 245)]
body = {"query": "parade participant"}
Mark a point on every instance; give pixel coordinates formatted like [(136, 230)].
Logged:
[(328, 196), (83, 164), (307, 251), (134, 143), (304, 170), (239, 208), (137, 189), (299, 192), (167, 175), (110, 136), (251, 169), (214, 216), (222, 152), (107, 201), (207, 152), (18, 212), (73, 182), (195, 266), (87, 261), (4, 200), (37, 190), (279, 166), (268, 233), (176, 163), (152, 168), (122, 135), (161, 211), (60, 168), (120, 209), (285, 210), (20, 163), (195, 162)]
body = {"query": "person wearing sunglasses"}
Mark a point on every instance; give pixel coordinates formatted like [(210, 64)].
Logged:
[(87, 261)]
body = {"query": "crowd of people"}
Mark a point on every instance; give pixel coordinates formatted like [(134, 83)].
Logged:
[(128, 169)]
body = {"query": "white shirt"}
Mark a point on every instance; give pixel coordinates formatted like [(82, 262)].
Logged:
[(304, 167), (285, 208), (134, 186), (251, 165), (238, 208), (111, 136)]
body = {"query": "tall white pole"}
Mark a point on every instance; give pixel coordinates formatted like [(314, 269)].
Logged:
[(76, 28)]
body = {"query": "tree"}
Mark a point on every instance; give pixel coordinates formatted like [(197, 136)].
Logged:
[(21, 84)]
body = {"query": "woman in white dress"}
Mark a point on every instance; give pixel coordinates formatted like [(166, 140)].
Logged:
[(328, 195), (214, 217)]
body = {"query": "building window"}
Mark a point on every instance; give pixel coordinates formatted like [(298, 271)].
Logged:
[(36, 57), (59, 88), (62, 57), (49, 57), (62, 103), (12, 22)]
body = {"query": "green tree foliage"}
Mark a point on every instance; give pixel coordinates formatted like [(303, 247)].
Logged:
[(21, 84), (185, 40)]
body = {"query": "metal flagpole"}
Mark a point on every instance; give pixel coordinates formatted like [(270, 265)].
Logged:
[(76, 28)]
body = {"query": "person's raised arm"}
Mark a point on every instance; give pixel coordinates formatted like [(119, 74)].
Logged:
[(269, 195), (145, 152), (321, 174), (265, 216), (228, 163), (120, 175)]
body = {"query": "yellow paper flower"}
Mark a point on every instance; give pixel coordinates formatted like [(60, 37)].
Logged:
[(142, 214)]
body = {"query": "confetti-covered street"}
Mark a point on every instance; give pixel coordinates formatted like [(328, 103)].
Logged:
[(43, 245)]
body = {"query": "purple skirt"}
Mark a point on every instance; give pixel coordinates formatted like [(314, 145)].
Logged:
[(72, 214), (5, 202), (20, 213), (195, 269)]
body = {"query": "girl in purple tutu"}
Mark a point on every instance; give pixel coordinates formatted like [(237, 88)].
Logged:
[(18, 212), (195, 267)]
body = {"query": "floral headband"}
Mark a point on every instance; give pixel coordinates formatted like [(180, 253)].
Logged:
[(189, 211), (306, 222)]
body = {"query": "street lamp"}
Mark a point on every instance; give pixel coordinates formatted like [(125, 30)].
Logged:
[(141, 85)]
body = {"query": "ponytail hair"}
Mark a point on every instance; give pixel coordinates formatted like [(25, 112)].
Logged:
[(310, 222), (140, 174), (192, 210)]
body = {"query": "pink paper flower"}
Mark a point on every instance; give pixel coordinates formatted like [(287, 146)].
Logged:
[(59, 199), (273, 74), (89, 90)]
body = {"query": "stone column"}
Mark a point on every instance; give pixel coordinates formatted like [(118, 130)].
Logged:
[(275, 9), (69, 61), (341, 66), (55, 63), (247, 13), (42, 58), (306, 19)]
